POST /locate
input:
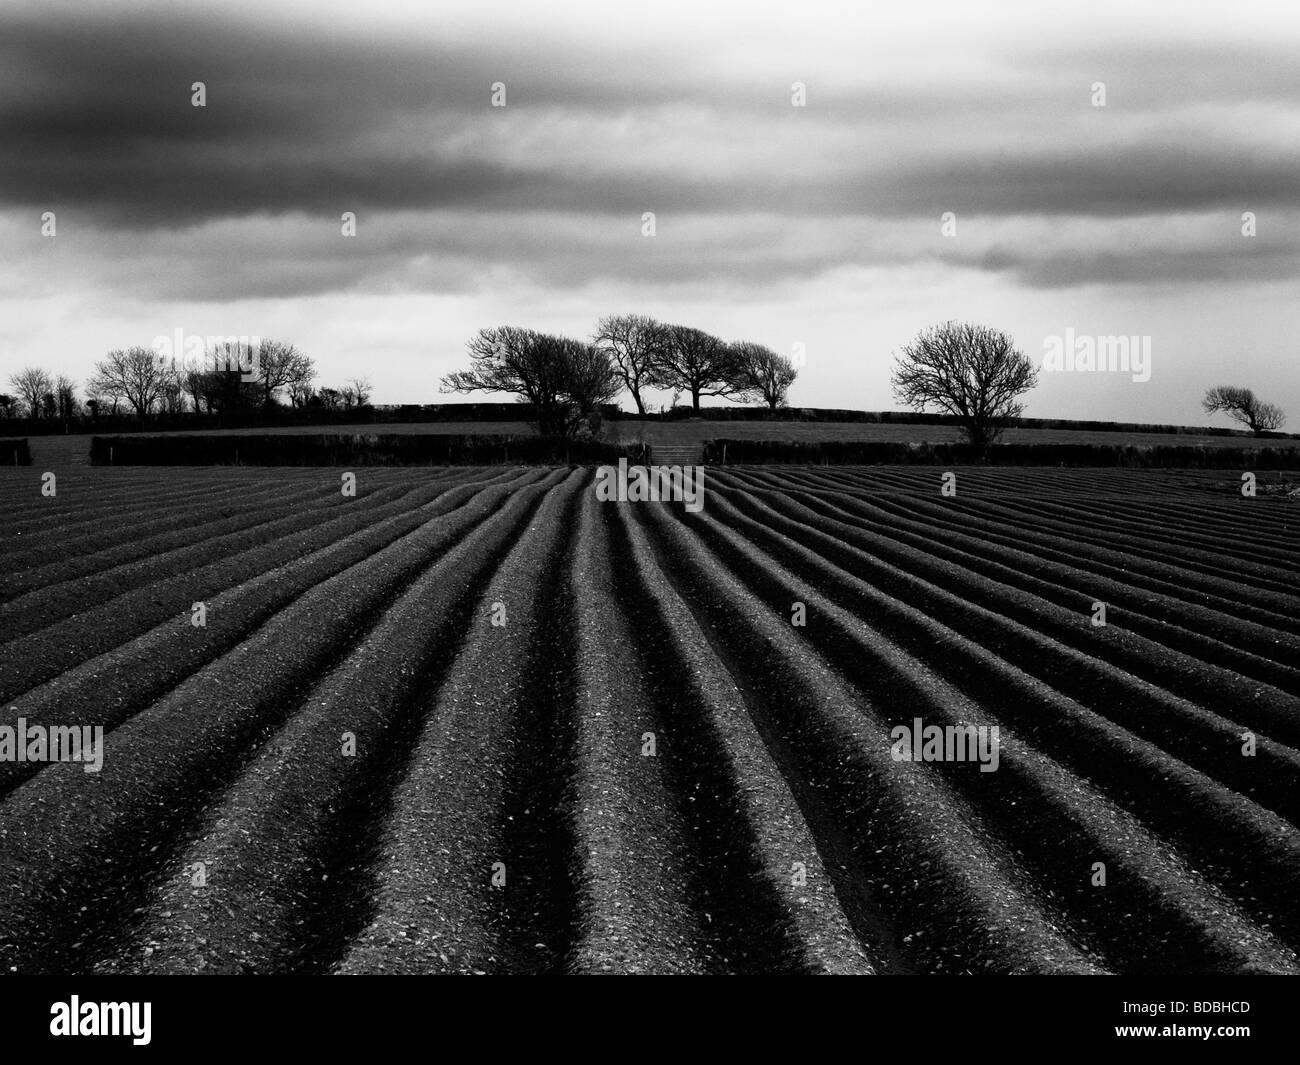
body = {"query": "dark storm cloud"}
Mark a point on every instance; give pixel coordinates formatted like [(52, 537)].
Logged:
[(1081, 180), (98, 115), (1158, 267), (305, 121)]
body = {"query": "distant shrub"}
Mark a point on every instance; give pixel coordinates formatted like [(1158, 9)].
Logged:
[(352, 449), (872, 452), (15, 453)]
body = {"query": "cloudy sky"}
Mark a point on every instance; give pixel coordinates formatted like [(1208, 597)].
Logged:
[(817, 226)]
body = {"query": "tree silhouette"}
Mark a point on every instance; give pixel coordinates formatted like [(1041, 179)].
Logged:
[(970, 371), (699, 363), (1242, 405)]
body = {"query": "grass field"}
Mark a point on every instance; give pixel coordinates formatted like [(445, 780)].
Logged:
[(644, 765), (53, 451)]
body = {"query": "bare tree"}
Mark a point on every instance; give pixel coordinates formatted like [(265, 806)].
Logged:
[(101, 395), (172, 397), (534, 366), (1242, 405), (136, 374), (636, 345), (31, 383), (360, 388), (65, 389), (196, 380), (232, 382), (279, 365), (697, 362), (592, 381), (301, 375), (763, 373), (970, 371)]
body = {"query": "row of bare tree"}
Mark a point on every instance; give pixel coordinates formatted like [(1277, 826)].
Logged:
[(567, 380), (40, 395), (972, 372), (229, 377)]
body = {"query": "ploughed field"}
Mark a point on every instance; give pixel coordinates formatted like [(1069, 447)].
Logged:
[(644, 765)]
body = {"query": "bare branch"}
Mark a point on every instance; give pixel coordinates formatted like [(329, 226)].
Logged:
[(970, 371)]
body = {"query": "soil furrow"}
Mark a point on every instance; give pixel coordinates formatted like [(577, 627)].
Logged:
[(286, 846), (78, 849)]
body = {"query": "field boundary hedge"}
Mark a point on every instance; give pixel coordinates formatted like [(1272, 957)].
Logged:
[(352, 449), (903, 417), (15, 452), (729, 452), (280, 417)]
